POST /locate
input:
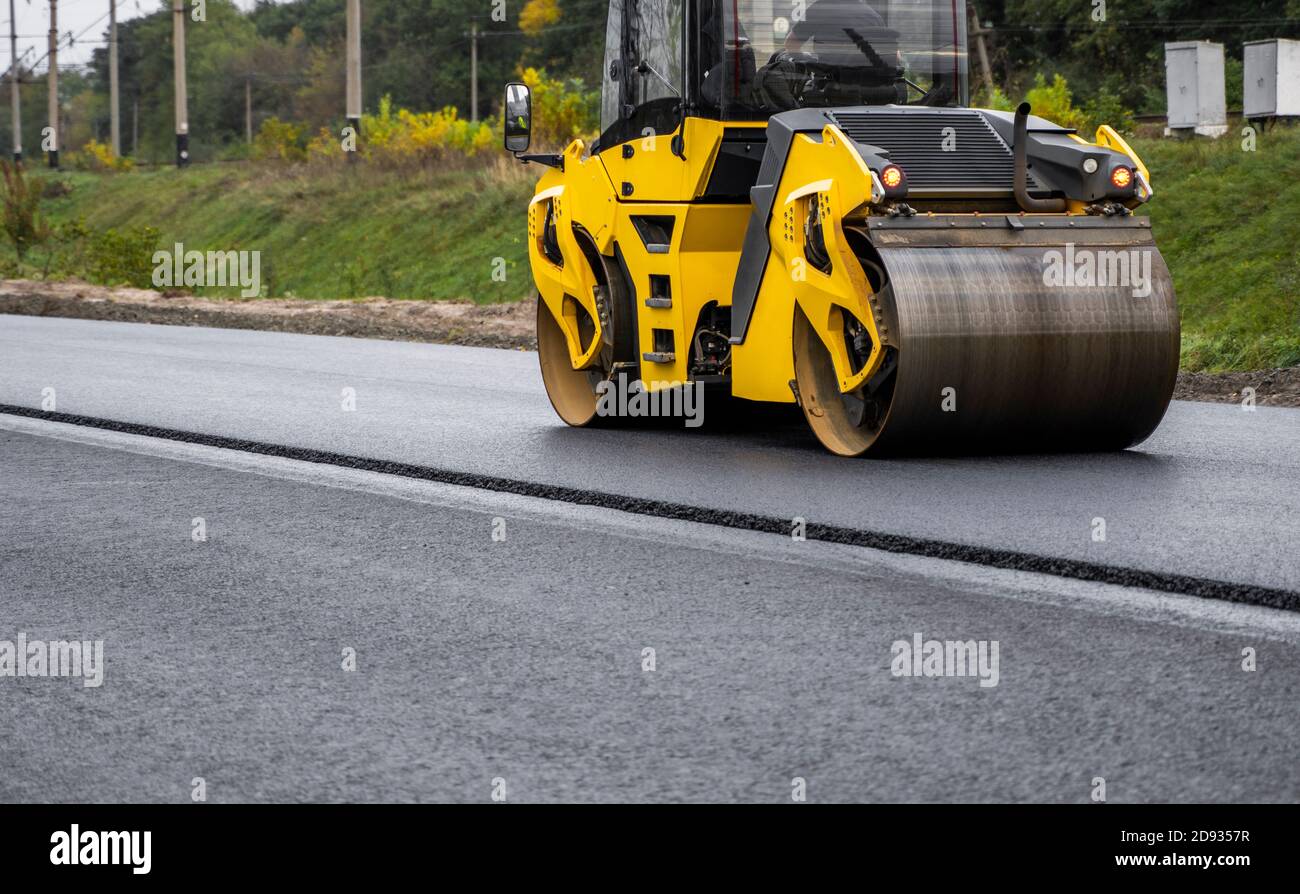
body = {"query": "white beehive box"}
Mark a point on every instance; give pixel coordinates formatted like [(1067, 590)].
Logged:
[(1197, 96), (1272, 79)]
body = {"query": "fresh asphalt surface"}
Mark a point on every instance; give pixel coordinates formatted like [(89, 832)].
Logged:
[(1215, 494), (523, 659)]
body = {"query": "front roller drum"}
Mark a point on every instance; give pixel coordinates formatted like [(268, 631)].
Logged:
[(574, 392), (987, 353)]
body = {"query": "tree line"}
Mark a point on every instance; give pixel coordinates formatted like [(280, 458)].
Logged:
[(288, 58)]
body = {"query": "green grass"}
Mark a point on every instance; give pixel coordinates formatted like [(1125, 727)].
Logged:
[(1226, 220), (1228, 223), (327, 233)]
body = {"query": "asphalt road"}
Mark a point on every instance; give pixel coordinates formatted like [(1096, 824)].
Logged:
[(1215, 493), (523, 659)]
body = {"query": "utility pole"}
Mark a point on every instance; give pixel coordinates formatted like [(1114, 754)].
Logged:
[(248, 110), (52, 82), (135, 125), (473, 69), (114, 112), (982, 48), (13, 84), (354, 71), (178, 66)]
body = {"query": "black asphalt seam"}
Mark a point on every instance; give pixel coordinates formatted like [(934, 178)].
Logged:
[(1245, 594)]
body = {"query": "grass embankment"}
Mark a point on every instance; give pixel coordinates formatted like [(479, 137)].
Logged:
[(326, 233), (1228, 224), (1227, 221)]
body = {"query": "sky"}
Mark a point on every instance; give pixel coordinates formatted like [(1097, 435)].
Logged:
[(88, 18)]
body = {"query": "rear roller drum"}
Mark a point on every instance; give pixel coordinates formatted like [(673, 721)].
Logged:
[(991, 359)]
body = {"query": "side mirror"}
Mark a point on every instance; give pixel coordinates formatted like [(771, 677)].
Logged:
[(518, 118)]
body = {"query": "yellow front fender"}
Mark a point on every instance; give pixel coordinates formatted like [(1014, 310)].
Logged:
[(568, 286), (829, 177)]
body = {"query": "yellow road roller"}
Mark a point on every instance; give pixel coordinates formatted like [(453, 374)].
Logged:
[(795, 202)]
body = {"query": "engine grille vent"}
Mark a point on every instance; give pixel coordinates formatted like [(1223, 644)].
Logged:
[(980, 160)]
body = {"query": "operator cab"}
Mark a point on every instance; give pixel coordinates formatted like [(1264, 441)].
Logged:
[(745, 60), (704, 78)]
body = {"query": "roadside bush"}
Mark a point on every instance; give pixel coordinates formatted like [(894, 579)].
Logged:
[(67, 247), (562, 110), (280, 140), (1055, 103), (1107, 108), (97, 156), (396, 137), (402, 134), (123, 257), (23, 222), (995, 99)]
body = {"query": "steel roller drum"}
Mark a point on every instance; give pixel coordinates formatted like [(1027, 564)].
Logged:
[(1038, 356)]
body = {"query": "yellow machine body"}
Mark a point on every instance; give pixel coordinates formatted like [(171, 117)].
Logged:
[(587, 197), (807, 211), (701, 262)]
